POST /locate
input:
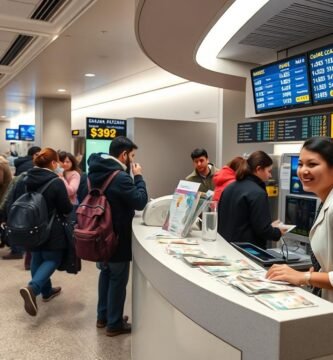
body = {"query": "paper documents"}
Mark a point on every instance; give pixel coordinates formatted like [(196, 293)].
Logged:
[(284, 301)]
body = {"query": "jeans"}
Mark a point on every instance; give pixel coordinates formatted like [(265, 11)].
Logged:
[(43, 265), (112, 283)]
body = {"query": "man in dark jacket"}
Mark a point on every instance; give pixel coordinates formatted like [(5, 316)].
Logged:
[(25, 163), (125, 195)]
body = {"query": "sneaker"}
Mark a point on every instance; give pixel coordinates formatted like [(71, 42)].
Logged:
[(55, 292), (125, 329), (102, 323), (12, 256), (30, 304)]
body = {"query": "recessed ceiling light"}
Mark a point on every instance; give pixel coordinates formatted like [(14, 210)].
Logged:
[(61, 90), (89, 75)]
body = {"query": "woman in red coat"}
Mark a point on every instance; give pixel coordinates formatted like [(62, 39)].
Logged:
[(226, 176)]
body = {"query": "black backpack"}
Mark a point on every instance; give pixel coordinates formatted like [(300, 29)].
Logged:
[(28, 222)]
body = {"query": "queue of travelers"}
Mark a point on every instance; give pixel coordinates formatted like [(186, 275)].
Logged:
[(243, 213)]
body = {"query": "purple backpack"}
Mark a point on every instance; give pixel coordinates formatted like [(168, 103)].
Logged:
[(95, 239)]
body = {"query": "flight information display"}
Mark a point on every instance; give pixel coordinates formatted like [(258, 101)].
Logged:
[(281, 85), (321, 69), (291, 129)]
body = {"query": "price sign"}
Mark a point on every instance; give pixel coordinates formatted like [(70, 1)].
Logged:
[(105, 129)]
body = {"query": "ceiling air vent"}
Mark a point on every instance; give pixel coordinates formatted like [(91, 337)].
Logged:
[(46, 9), (16, 48)]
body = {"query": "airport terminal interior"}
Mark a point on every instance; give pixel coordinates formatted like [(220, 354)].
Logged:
[(228, 76)]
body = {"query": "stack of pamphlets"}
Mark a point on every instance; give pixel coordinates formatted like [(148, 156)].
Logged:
[(184, 241), (209, 260), (284, 301), (180, 250), (234, 267), (256, 286), (187, 203)]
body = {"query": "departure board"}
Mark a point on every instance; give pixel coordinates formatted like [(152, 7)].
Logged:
[(281, 85), (282, 130), (247, 132), (315, 125), (321, 66), (287, 130)]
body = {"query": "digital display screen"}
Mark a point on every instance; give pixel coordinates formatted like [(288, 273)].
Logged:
[(12, 134), (27, 132), (281, 85), (321, 70), (300, 211)]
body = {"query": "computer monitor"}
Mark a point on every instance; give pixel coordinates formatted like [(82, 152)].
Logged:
[(300, 211), (296, 186)]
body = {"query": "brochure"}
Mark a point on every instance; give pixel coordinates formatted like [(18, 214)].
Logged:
[(181, 250), (234, 267), (184, 241), (286, 227), (186, 205), (198, 261), (284, 301), (256, 287)]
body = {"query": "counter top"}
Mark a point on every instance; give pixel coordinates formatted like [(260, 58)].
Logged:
[(226, 312)]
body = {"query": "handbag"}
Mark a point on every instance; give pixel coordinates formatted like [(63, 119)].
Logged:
[(70, 262)]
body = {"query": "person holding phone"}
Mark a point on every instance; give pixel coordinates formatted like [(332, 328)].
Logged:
[(315, 170)]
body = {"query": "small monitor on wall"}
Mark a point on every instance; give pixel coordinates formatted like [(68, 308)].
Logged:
[(300, 211), (27, 132), (12, 134)]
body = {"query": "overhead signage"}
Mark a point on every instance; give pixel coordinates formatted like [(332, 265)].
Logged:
[(290, 129), (12, 134), (105, 129), (321, 69), (281, 85), (78, 133)]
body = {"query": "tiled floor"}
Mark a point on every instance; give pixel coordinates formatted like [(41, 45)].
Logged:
[(64, 328)]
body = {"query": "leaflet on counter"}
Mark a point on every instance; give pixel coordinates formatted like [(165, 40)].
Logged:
[(287, 300)]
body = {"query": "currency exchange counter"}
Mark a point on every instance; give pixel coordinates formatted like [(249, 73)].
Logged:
[(181, 313)]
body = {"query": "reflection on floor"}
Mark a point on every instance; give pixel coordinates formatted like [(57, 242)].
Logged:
[(64, 328)]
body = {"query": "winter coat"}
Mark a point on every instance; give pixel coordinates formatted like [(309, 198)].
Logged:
[(23, 164), (56, 198), (71, 180), (222, 179), (244, 214), (124, 195)]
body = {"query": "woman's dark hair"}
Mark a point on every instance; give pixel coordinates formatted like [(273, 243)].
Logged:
[(45, 158), (62, 157), (249, 166), (321, 145), (235, 163)]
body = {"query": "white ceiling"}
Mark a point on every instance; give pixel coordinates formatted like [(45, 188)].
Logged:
[(98, 36), (101, 41)]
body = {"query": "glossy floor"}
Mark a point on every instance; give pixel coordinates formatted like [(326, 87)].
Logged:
[(64, 328)]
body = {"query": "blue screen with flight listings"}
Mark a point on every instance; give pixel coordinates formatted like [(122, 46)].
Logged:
[(281, 85), (321, 70)]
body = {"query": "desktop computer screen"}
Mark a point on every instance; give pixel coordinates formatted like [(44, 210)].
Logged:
[(300, 211)]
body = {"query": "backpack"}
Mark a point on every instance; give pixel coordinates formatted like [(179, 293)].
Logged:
[(94, 237), (28, 223)]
